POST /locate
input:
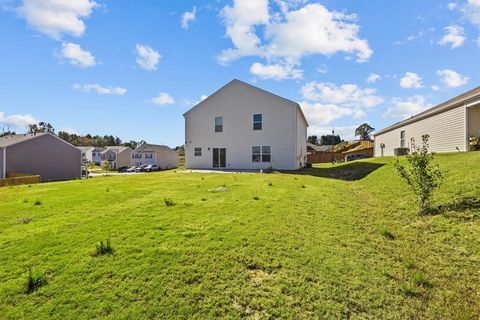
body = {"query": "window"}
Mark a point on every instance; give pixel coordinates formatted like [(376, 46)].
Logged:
[(218, 124), (261, 154), (412, 144), (256, 154), (402, 139), (148, 155), (137, 156), (198, 152), (257, 122), (266, 154)]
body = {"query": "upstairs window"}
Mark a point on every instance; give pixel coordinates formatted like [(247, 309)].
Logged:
[(148, 155), (402, 139), (257, 121), (136, 156), (218, 124), (198, 152)]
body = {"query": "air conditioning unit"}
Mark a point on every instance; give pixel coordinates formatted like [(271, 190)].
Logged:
[(401, 151)]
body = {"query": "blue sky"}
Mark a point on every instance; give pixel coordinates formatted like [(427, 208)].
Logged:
[(132, 68)]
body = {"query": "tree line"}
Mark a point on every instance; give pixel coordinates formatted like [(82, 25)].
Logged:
[(363, 131), (78, 140)]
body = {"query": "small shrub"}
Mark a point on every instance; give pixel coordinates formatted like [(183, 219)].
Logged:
[(37, 202), (35, 280), (421, 280), (421, 175), (256, 198), (168, 202), (204, 199), (387, 234), (104, 248), (270, 184), (303, 186)]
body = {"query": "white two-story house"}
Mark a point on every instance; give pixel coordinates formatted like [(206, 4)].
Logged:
[(160, 155), (241, 126), (91, 154)]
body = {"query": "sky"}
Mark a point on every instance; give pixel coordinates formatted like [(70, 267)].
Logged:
[(132, 68)]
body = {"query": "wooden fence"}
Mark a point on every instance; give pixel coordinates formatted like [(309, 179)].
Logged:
[(326, 157), (16, 178)]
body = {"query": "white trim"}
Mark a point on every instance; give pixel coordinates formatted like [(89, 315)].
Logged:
[(465, 128)]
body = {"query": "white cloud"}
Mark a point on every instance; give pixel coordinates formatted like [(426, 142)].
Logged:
[(147, 58), (69, 130), (435, 87), (413, 37), (290, 35), (411, 80), (471, 11), (407, 107), (455, 36), (56, 17), (162, 99), (452, 6), (319, 114), (76, 55), (373, 77), (350, 95), (190, 102), (451, 78), (323, 69), (275, 71), (18, 121), (188, 17), (100, 89)]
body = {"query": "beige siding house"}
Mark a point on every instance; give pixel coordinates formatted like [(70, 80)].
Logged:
[(118, 156), (41, 154), (449, 124), (244, 127), (160, 155)]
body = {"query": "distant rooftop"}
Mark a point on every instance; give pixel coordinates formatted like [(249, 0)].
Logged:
[(16, 138)]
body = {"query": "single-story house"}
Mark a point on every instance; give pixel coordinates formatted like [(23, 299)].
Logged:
[(160, 155), (241, 126), (118, 156), (314, 148), (449, 124), (41, 154)]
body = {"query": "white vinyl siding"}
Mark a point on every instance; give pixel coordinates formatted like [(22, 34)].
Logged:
[(474, 121), (446, 130)]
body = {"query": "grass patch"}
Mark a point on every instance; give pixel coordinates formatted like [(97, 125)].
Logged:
[(298, 253), (35, 280), (421, 280), (38, 202), (168, 202), (387, 234), (103, 248)]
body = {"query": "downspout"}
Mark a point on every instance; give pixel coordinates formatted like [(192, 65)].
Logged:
[(4, 162)]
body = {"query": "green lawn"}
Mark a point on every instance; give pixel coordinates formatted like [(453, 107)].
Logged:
[(332, 242)]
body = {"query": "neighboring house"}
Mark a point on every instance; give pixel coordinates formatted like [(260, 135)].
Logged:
[(243, 127), (160, 155), (449, 124), (313, 148), (91, 154), (41, 154), (118, 156), (86, 154)]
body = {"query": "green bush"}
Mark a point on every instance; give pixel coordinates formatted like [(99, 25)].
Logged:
[(35, 281), (104, 248), (421, 175)]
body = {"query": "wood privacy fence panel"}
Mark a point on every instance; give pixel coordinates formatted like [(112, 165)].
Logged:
[(19, 180), (18, 174), (326, 157)]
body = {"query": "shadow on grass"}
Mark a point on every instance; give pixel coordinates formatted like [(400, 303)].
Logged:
[(458, 206), (350, 171)]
